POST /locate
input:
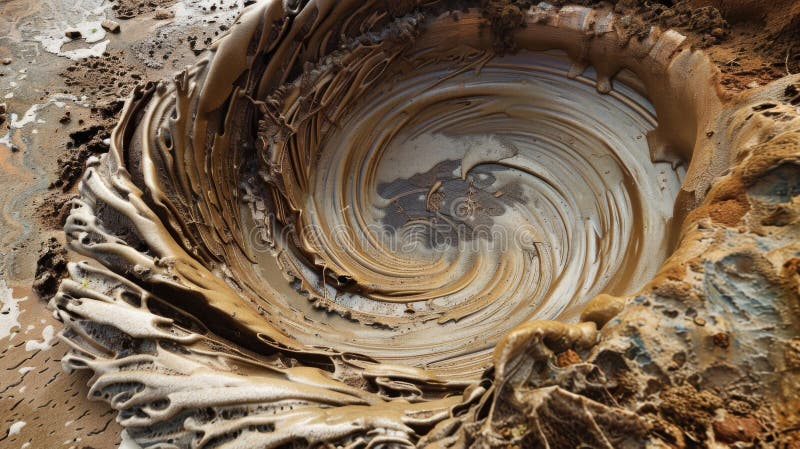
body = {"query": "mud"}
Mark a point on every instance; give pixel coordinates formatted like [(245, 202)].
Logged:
[(91, 139), (241, 251), (103, 77), (129, 9)]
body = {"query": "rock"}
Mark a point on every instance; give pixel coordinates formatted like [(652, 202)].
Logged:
[(73, 34), (731, 429), (7, 61), (3, 108), (164, 14), (110, 26), (718, 32)]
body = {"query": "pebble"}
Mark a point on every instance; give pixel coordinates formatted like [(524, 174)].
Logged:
[(699, 321), (6, 61), (110, 26), (163, 14), (73, 34)]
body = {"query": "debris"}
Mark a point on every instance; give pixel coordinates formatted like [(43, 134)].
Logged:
[(110, 26), (51, 267), (164, 14), (73, 33)]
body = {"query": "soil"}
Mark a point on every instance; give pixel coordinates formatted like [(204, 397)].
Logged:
[(89, 140), (128, 9), (752, 41), (51, 268), (109, 76)]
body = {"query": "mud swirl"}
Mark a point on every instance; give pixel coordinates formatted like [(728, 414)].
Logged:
[(450, 207), (327, 225)]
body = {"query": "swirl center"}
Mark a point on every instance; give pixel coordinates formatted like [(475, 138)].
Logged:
[(437, 200)]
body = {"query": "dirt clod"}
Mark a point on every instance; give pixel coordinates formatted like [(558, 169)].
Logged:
[(51, 267), (567, 358), (732, 429), (128, 9)]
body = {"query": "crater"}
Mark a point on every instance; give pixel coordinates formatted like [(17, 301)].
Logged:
[(385, 224)]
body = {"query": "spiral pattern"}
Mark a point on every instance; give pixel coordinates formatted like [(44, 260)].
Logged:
[(449, 208), (334, 222)]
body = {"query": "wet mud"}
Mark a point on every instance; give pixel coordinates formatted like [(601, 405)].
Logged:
[(437, 224)]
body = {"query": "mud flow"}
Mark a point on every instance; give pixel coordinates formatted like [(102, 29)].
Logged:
[(443, 224)]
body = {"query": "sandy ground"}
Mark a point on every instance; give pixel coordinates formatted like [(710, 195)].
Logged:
[(61, 104)]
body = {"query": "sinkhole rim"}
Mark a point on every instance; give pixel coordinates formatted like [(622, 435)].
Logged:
[(208, 98)]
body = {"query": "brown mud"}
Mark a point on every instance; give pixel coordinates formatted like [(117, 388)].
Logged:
[(751, 42)]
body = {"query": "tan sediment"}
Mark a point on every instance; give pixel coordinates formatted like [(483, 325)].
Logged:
[(234, 218)]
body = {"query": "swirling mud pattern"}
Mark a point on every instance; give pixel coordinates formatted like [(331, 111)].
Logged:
[(371, 224)]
